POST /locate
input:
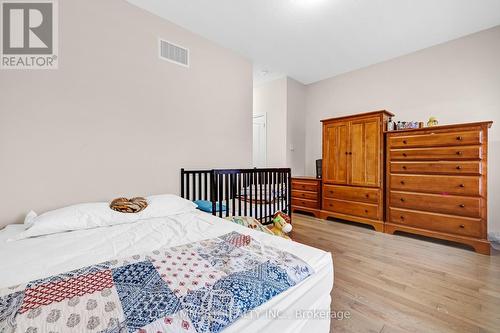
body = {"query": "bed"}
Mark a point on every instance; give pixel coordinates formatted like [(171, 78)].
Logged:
[(257, 192), (299, 308)]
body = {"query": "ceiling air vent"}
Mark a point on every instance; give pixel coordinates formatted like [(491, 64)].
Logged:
[(174, 53)]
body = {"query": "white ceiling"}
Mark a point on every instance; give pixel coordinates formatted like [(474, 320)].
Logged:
[(310, 40)]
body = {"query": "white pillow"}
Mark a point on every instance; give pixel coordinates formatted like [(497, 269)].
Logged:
[(98, 214), (167, 205), (28, 220)]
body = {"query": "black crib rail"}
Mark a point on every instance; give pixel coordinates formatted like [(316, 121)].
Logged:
[(258, 193)]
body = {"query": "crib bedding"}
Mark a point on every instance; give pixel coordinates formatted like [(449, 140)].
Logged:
[(255, 209), (118, 259)]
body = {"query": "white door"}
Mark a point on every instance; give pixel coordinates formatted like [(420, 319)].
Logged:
[(259, 141)]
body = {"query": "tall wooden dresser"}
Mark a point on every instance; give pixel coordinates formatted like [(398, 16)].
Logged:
[(436, 183), (353, 168), (306, 195)]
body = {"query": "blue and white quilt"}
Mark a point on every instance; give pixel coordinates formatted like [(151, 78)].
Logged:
[(199, 287)]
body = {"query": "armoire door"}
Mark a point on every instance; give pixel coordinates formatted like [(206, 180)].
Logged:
[(335, 153), (364, 152)]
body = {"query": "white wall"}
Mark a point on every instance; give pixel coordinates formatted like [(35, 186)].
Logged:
[(114, 119), (296, 134), (283, 101), (457, 82), (270, 98)]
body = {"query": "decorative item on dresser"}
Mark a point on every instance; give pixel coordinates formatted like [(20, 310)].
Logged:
[(437, 183), (306, 195), (353, 168)]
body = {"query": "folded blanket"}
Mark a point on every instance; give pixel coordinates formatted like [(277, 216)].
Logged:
[(198, 287)]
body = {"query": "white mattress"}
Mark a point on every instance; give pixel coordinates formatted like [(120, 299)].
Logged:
[(25, 260)]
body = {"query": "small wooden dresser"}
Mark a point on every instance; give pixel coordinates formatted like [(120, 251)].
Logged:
[(436, 183), (306, 195)]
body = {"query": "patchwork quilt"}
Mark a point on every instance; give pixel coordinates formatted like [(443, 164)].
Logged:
[(199, 287)]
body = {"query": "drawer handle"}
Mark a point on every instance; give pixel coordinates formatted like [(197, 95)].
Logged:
[(402, 218), (405, 142), (459, 138), (404, 167), (402, 199), (404, 154), (462, 226), (462, 185), (459, 167), (366, 211), (461, 205), (402, 182), (459, 153)]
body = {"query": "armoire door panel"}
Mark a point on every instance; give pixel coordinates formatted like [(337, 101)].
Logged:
[(364, 154), (335, 155)]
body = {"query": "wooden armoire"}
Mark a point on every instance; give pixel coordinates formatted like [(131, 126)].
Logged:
[(353, 168)]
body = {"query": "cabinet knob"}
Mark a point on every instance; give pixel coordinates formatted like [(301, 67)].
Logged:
[(462, 226), (402, 218), (404, 154), (404, 167), (461, 205), (402, 199), (462, 185), (366, 210), (459, 138), (350, 153), (402, 182), (459, 153), (346, 153), (367, 195), (404, 141), (459, 167)]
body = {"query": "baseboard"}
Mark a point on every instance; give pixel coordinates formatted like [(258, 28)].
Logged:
[(494, 238)]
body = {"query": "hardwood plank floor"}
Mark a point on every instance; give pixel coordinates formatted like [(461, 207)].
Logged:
[(393, 283)]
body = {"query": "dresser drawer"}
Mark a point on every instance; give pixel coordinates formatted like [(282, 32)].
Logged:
[(351, 193), (305, 203), (304, 195), (454, 205), (437, 139), (441, 167), (351, 208), (461, 185), (437, 222), (305, 186), (446, 153)]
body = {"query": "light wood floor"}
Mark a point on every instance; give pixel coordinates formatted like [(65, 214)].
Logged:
[(393, 283)]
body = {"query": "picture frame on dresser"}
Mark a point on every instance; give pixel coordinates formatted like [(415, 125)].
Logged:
[(436, 183)]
